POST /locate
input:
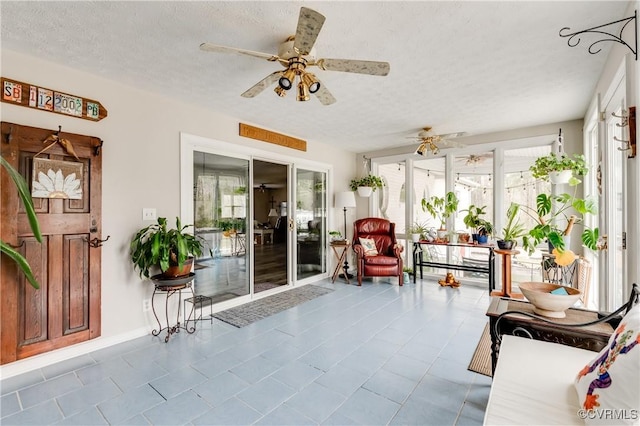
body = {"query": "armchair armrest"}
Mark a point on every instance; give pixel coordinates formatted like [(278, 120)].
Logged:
[(359, 250), (397, 250)]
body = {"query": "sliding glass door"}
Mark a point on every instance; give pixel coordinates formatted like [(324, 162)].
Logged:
[(311, 223), (220, 206)]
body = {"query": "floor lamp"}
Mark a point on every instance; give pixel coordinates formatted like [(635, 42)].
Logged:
[(345, 200)]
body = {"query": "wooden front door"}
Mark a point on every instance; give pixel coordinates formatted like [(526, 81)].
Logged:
[(66, 308)]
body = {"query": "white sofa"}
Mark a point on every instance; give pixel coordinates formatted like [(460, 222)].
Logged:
[(533, 383)]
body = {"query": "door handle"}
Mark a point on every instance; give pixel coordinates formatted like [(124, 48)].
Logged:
[(291, 225), (96, 242)]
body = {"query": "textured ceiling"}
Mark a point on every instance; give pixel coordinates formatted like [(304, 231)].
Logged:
[(476, 67)]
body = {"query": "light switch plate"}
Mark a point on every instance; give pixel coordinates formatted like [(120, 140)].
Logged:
[(148, 213)]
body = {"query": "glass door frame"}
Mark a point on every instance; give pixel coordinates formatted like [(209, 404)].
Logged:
[(190, 143), (614, 166)]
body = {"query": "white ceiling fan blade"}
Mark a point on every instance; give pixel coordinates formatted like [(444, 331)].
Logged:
[(355, 66), (309, 25), (448, 143), (453, 135), (262, 84), (324, 96), (208, 47)]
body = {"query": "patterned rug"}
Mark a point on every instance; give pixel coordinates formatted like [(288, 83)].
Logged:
[(481, 359), (262, 308)]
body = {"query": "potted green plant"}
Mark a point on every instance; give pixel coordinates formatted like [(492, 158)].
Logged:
[(485, 230), (418, 231), (441, 208), (555, 217), (168, 249), (512, 230), (559, 168), (335, 235), (406, 271), (473, 219), (366, 185)]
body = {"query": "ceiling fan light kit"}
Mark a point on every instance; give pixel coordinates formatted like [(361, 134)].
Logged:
[(433, 143), (297, 53)]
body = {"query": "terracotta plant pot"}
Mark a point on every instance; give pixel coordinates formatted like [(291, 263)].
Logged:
[(175, 271)]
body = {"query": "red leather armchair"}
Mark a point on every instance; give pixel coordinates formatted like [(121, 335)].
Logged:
[(388, 261)]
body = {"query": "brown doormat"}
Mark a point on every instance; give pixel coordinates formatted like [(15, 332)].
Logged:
[(254, 311), (481, 359)]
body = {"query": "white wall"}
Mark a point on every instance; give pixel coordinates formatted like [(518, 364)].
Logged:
[(140, 168)]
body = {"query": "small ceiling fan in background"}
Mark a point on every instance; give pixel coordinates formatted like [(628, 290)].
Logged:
[(296, 53), (432, 142)]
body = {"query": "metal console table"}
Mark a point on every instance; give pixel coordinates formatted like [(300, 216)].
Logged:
[(171, 287), (419, 262)]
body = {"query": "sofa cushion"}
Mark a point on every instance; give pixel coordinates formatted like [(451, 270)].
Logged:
[(610, 383), (533, 383), (369, 246)]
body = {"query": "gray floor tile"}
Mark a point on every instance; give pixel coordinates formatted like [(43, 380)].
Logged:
[(390, 385), (217, 364), (232, 412), (316, 402), (297, 374), (264, 396), (134, 377), (452, 370), (88, 417), (285, 416), (471, 414), (130, 404), (345, 358), (41, 414), (255, 369), (87, 396), (419, 413), (405, 366), (337, 419), (221, 388), (102, 370), (177, 382), (21, 381), (178, 410), (9, 404), (342, 380), (67, 366), (48, 389), (441, 392), (367, 408), (137, 420)]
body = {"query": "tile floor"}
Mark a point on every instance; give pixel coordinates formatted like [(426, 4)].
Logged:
[(371, 355)]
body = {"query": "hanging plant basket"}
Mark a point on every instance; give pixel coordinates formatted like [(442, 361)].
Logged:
[(560, 177), (365, 191)]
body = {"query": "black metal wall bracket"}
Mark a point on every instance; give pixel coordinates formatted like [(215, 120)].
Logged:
[(574, 38)]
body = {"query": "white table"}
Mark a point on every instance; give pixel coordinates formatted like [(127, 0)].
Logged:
[(262, 232)]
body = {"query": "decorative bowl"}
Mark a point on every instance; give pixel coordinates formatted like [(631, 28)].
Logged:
[(547, 304)]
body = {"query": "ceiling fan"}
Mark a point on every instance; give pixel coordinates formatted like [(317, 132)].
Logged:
[(295, 54), (474, 159), (432, 142)]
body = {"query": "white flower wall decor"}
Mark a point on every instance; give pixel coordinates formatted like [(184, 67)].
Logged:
[(56, 179)]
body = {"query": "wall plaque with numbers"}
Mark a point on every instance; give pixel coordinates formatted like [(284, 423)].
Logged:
[(32, 96)]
